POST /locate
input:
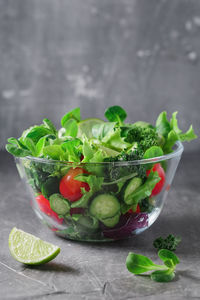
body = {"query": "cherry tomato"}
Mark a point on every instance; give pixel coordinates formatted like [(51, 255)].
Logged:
[(137, 210), (71, 188), (44, 206), (158, 187)]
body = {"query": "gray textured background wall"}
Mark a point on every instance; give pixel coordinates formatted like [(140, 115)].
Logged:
[(56, 55)]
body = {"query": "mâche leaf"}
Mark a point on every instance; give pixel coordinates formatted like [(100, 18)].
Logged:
[(49, 124), (154, 151), (40, 145), (138, 264), (115, 114), (71, 128), (163, 275), (16, 151), (35, 133), (73, 114), (54, 152), (30, 145), (165, 255)]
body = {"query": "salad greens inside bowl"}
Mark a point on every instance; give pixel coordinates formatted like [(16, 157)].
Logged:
[(97, 180)]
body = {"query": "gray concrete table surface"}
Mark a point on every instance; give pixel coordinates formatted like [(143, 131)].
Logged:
[(97, 271)]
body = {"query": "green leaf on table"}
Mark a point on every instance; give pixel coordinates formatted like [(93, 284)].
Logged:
[(115, 114), (73, 114), (137, 264), (165, 255), (163, 275), (169, 263)]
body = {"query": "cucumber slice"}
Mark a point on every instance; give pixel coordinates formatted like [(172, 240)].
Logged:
[(132, 186), (104, 206), (111, 222), (59, 204)]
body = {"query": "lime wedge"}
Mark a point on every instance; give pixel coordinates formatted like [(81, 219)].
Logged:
[(85, 127), (29, 249)]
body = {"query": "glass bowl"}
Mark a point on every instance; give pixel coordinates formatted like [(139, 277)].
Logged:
[(106, 201)]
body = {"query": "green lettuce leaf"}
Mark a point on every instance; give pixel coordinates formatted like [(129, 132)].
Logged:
[(94, 183), (114, 140), (99, 131), (71, 148), (171, 131)]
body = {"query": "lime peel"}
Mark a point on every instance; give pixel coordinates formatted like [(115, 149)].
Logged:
[(29, 249)]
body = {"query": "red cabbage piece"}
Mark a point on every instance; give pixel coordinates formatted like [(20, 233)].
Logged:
[(77, 210), (127, 225)]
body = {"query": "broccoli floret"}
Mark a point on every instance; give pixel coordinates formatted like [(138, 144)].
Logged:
[(145, 137), (39, 174), (146, 205), (114, 172), (169, 243)]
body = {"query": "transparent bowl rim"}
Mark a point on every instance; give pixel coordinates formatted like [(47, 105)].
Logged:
[(177, 152)]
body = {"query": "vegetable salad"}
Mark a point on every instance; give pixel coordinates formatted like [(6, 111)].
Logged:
[(85, 176)]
